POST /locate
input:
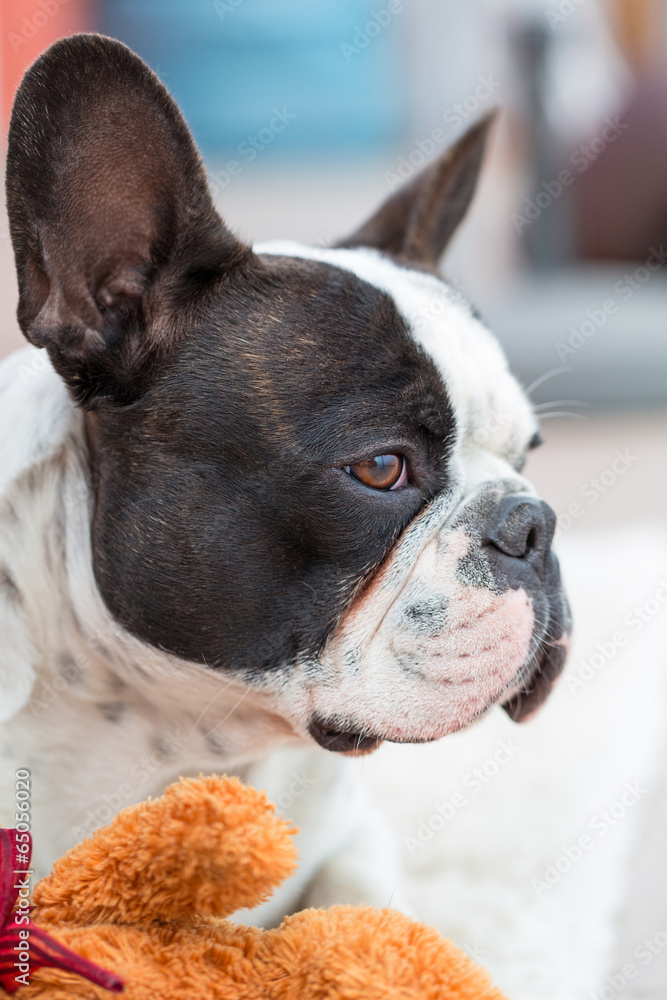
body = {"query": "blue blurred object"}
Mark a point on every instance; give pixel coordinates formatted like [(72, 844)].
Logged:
[(335, 65)]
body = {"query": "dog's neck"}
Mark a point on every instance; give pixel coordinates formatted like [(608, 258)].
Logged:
[(87, 673)]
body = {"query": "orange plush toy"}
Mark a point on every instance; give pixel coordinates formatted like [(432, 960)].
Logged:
[(147, 898)]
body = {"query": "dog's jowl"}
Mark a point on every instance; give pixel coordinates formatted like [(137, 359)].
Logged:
[(258, 501)]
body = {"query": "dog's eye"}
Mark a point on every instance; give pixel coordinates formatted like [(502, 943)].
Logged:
[(382, 472)]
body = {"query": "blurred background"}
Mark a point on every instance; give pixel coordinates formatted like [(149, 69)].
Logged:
[(310, 114)]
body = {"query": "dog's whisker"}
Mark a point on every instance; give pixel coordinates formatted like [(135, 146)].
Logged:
[(209, 732), (545, 378), (562, 413), (561, 402)]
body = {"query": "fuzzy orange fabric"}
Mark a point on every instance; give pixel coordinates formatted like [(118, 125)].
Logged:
[(147, 898)]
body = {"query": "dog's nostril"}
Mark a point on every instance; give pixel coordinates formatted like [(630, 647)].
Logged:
[(522, 528), (531, 540)]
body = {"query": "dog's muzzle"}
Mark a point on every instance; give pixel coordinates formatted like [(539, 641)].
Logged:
[(521, 536), (467, 612)]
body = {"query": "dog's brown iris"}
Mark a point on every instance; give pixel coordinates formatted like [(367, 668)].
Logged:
[(380, 472)]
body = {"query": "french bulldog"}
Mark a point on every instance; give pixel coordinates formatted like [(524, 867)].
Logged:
[(261, 508)]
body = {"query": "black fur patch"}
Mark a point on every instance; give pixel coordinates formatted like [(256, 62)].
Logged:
[(225, 529), (225, 392)]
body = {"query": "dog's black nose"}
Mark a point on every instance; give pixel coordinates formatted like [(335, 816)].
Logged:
[(523, 527)]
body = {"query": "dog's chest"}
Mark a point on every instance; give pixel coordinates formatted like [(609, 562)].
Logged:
[(98, 719), (92, 749), (92, 742)]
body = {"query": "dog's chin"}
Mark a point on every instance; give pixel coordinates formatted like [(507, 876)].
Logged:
[(350, 740), (521, 701)]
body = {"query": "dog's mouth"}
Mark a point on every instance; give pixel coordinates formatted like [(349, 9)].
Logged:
[(336, 735), (340, 740), (333, 736), (522, 705)]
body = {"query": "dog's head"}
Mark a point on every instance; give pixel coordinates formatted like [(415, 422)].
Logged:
[(306, 463)]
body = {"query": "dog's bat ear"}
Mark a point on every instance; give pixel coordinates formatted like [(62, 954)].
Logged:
[(416, 224), (111, 220)]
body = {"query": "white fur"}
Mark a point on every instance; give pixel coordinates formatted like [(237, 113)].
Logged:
[(62, 656)]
